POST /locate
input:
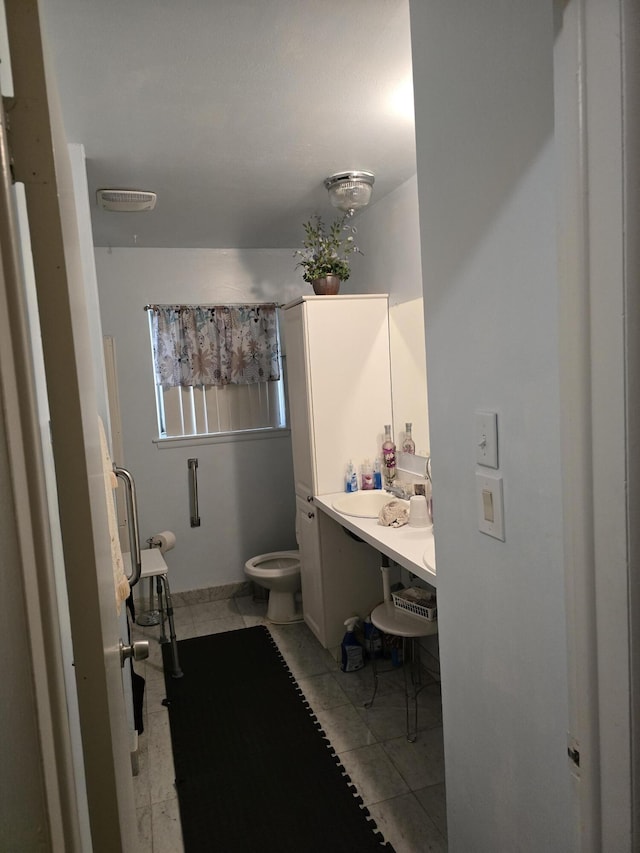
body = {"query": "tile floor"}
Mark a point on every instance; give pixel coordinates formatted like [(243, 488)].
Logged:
[(402, 784)]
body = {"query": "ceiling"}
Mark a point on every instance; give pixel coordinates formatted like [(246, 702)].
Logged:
[(233, 111)]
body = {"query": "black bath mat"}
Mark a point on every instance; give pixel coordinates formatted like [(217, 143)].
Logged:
[(254, 771)]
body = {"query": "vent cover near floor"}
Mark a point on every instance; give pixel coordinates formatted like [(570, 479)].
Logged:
[(126, 200)]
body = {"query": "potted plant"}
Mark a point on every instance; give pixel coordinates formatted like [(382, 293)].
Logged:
[(325, 253)]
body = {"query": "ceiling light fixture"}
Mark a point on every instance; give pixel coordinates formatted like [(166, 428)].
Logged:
[(350, 191), (126, 201)]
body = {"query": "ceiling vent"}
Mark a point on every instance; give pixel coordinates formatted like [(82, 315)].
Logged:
[(126, 201)]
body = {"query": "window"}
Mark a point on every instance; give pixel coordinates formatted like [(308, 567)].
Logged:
[(218, 369)]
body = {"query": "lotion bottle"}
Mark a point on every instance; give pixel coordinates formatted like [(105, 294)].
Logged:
[(366, 477)]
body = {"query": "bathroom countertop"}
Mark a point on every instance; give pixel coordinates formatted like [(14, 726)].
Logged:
[(411, 547)]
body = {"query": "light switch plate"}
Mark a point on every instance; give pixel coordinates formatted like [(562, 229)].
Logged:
[(490, 502), (486, 439)]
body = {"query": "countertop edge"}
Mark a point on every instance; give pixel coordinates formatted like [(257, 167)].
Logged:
[(404, 545)]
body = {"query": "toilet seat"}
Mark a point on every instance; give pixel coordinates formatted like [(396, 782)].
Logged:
[(279, 572), (275, 564)]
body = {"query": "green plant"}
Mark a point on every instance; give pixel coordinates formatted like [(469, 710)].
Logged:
[(326, 250)]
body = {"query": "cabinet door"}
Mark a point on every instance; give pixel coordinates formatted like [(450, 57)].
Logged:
[(350, 383), (310, 567), (299, 402)]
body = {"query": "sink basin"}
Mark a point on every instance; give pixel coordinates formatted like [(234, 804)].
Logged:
[(429, 556), (362, 504)]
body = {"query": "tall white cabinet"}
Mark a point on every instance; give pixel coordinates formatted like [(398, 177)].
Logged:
[(339, 388)]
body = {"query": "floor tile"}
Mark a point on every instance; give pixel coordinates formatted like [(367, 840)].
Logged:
[(249, 606), (373, 773), (145, 836), (406, 825), (344, 727), (161, 769), (165, 827), (232, 622), (434, 801), (420, 763), (302, 652), (251, 621), (141, 784), (359, 685), (387, 716), (207, 610), (154, 693), (323, 691)]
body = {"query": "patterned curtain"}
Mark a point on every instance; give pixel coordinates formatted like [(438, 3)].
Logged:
[(214, 345)]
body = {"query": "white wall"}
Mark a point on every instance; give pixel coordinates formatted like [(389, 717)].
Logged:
[(246, 492), (484, 128), (389, 236)]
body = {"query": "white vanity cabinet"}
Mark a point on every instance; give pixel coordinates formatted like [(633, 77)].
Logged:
[(339, 391), (340, 574), (339, 381)]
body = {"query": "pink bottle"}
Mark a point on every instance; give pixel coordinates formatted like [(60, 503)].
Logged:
[(389, 456)]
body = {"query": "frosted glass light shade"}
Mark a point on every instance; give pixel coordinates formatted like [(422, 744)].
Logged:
[(350, 191)]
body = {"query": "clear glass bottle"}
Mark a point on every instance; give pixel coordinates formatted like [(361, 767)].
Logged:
[(408, 445), (389, 456), (366, 476)]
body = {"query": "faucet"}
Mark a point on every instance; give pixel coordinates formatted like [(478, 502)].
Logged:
[(398, 491)]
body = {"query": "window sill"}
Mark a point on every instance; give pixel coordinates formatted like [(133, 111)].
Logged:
[(221, 437)]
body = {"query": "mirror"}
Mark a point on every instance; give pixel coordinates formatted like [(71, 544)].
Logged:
[(409, 373)]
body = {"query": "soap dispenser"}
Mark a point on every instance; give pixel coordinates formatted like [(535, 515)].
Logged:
[(377, 474), (351, 479)]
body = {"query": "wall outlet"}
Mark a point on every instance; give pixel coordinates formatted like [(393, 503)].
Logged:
[(490, 504)]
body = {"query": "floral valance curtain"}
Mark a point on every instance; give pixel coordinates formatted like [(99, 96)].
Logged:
[(214, 344)]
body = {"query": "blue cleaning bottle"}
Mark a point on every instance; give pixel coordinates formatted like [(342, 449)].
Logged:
[(352, 655), (377, 475), (372, 639), (351, 479)]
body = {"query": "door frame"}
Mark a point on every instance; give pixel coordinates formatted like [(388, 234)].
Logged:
[(596, 137), (40, 160)]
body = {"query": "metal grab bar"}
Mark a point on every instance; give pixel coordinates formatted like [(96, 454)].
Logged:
[(134, 533), (193, 491)]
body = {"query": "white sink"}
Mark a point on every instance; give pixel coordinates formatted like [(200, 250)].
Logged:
[(429, 556), (363, 504)]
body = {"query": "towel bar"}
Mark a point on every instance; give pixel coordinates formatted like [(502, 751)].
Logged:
[(193, 492)]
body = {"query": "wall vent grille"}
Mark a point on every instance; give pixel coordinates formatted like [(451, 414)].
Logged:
[(126, 201)]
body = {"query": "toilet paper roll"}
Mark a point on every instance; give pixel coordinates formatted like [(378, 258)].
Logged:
[(165, 541)]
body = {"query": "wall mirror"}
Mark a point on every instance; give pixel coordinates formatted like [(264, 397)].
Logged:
[(409, 373)]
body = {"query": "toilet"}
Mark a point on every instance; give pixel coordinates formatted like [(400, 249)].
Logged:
[(279, 572)]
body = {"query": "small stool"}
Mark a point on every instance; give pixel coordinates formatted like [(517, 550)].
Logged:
[(154, 566), (395, 622)]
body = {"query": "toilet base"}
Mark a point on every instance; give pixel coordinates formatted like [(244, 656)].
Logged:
[(282, 609)]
